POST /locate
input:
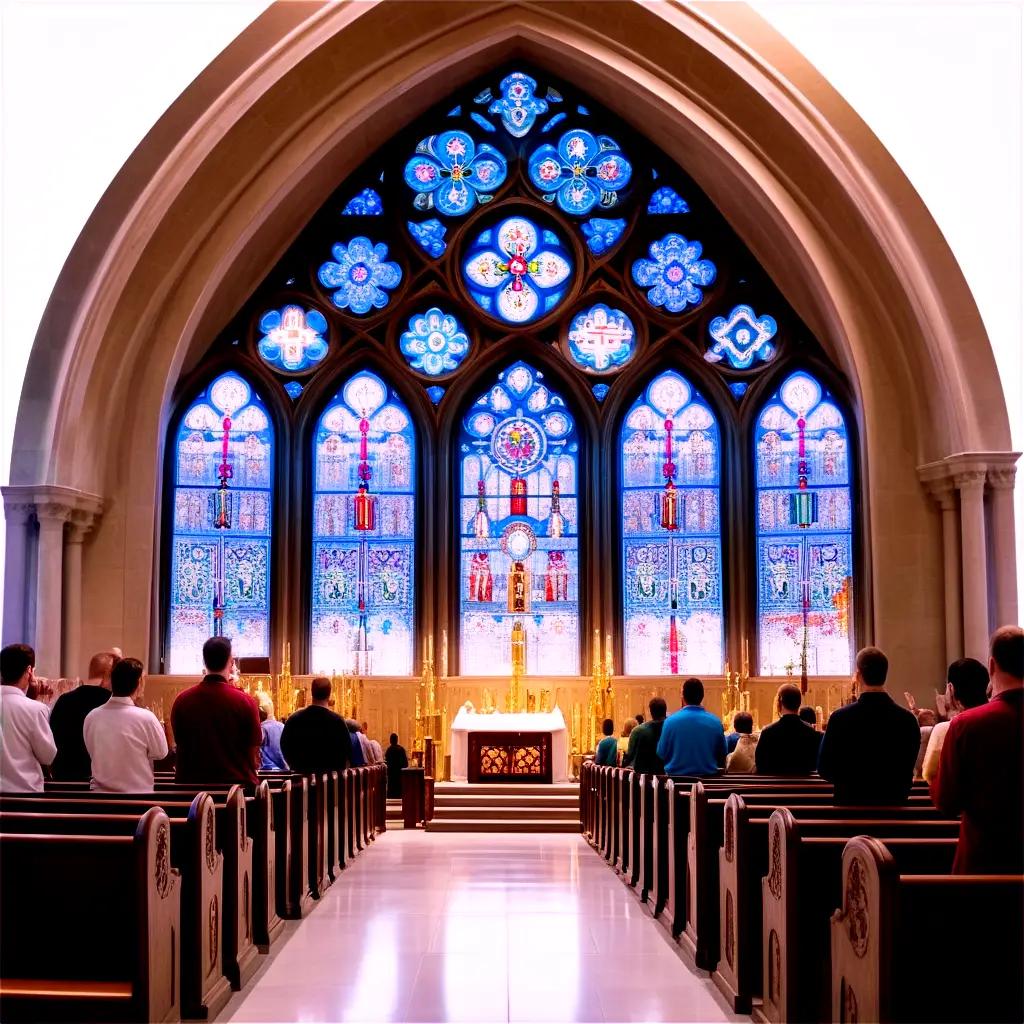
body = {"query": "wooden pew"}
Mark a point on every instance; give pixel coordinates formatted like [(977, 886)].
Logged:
[(744, 861), (624, 819), (886, 937), (707, 807), (238, 949), (204, 987), (316, 824), (802, 889), (91, 925)]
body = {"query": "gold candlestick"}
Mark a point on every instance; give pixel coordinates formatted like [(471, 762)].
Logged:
[(444, 653)]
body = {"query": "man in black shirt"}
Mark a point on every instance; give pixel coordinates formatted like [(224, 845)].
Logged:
[(315, 739), (788, 746), (67, 718), (870, 747), (642, 755)]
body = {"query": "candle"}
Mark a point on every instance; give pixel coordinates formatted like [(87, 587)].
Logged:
[(444, 653), (609, 668), (430, 647), (746, 659)]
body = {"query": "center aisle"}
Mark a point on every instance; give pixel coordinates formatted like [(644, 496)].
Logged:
[(478, 928)]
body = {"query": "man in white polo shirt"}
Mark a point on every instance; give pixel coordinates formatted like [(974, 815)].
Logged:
[(26, 743), (124, 740)]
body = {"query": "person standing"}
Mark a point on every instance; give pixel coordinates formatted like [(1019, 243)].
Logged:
[(790, 745), (375, 747), (26, 743), (692, 741), (216, 726), (643, 741), (68, 717), (607, 752), (315, 739), (981, 769), (123, 740), (271, 758), (870, 747), (397, 760), (623, 742), (966, 687), (741, 760)]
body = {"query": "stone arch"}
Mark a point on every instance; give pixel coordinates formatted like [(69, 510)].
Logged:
[(225, 179)]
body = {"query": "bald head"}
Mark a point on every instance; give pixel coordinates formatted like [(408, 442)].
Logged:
[(1006, 663)]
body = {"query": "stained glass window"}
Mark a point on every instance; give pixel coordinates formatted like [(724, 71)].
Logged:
[(519, 516), (601, 339), (220, 548), (293, 338), (671, 563), (804, 532), (364, 456)]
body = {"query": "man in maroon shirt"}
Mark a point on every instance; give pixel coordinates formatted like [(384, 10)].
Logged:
[(216, 726), (982, 767)]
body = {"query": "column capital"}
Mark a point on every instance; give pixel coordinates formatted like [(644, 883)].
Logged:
[(942, 490), (970, 480), (52, 502), (79, 524), (1002, 478)]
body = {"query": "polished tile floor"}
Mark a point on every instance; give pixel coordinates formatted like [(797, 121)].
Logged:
[(469, 927)]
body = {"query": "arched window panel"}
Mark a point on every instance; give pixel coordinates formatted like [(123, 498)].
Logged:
[(220, 548), (364, 528), (519, 528), (671, 535), (804, 532)]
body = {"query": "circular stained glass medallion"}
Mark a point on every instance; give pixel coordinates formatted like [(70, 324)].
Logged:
[(518, 445)]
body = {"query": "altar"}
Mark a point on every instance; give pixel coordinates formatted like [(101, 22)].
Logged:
[(527, 747)]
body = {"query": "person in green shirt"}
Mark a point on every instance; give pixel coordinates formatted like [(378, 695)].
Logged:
[(607, 752), (642, 755)]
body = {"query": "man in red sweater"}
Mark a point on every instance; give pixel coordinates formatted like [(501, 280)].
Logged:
[(982, 768), (216, 726)]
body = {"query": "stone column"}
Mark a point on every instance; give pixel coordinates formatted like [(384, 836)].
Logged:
[(974, 561), (942, 492), (79, 526), (1004, 545), (16, 589), (49, 587)]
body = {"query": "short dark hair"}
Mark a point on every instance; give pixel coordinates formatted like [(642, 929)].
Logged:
[(320, 688), (393, 739), (743, 721), (217, 653), (639, 716), (789, 696), (125, 676), (693, 691), (808, 714), (1008, 650), (969, 679), (658, 708), (607, 727), (15, 661), (873, 666)]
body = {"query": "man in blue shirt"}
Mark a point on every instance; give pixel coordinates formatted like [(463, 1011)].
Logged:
[(692, 741)]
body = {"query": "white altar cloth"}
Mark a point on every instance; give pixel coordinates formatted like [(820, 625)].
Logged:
[(552, 722)]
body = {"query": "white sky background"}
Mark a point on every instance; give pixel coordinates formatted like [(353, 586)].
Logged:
[(941, 84)]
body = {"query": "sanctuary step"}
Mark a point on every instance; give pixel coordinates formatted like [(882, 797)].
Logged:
[(461, 807)]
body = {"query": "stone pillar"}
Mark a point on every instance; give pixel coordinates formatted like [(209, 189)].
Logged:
[(974, 561), (49, 587), (79, 526), (942, 492), (1004, 545), (16, 590)]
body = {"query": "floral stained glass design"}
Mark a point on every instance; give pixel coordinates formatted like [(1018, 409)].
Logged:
[(672, 579), (366, 203), (362, 274), (293, 338), (517, 271), (362, 587), (601, 339), (665, 201), (582, 171), (517, 105), (435, 343), (519, 515), (602, 234), (741, 338), (804, 532), (451, 173), (674, 274), (222, 523)]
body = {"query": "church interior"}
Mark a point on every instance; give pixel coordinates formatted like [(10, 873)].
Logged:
[(490, 375)]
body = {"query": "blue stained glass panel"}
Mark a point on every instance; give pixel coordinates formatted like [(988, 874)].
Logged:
[(741, 338), (294, 389), (220, 547), (602, 234), (601, 339), (435, 343), (674, 274), (518, 107), (516, 271), (293, 338), (435, 393), (804, 532), (363, 603), (600, 391), (367, 203), (519, 533), (667, 200), (429, 236), (451, 173), (582, 171), (672, 579)]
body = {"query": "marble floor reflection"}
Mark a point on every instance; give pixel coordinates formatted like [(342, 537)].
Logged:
[(449, 927)]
